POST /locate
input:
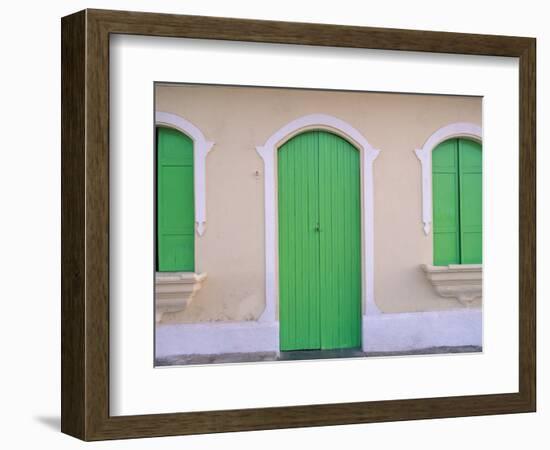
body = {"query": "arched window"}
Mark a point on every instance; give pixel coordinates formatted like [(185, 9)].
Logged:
[(457, 202), (180, 209)]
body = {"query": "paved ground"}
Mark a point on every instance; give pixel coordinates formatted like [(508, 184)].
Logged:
[(302, 355), (209, 359), (432, 350)]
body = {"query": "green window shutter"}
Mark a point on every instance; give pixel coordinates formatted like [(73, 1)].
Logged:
[(470, 179), (445, 193), (175, 202)]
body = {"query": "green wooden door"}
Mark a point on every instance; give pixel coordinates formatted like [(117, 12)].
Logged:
[(175, 202), (457, 202), (319, 243)]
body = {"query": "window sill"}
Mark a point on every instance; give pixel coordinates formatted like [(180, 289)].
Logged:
[(174, 291), (462, 282)]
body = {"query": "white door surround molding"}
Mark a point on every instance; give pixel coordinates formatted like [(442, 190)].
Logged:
[(201, 148), (424, 154), (268, 152)]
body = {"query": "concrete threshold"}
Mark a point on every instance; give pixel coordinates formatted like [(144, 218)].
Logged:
[(231, 358)]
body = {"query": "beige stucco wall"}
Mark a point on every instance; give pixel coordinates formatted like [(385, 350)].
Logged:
[(238, 119)]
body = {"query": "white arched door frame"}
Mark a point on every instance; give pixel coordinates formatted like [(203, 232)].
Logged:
[(201, 147), (424, 154), (268, 152)]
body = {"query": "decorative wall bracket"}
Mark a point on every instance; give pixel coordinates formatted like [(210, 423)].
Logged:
[(460, 281), (175, 290)]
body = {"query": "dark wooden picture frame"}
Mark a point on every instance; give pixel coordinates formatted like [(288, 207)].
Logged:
[(85, 224)]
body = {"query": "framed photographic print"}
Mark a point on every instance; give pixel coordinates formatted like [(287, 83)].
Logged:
[(272, 224)]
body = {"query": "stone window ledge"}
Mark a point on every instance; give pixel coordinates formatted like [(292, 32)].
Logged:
[(459, 281), (175, 290)]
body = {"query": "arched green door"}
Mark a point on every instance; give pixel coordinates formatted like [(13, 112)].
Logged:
[(319, 207)]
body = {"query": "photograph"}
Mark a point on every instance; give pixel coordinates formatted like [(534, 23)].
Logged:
[(307, 224)]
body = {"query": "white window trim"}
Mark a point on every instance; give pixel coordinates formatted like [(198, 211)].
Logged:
[(201, 147), (424, 154), (268, 152)]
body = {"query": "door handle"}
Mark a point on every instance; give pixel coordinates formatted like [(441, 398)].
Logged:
[(318, 228)]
